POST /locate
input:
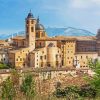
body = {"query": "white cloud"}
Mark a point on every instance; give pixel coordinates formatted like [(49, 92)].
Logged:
[(83, 4)]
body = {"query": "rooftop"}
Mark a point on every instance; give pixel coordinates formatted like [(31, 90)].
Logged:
[(82, 38), (18, 38)]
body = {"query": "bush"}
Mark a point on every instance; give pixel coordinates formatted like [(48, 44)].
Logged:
[(87, 91), (74, 92), (4, 66)]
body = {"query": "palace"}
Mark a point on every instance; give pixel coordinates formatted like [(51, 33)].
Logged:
[(37, 50)]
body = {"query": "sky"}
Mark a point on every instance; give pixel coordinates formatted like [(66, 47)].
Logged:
[(82, 14)]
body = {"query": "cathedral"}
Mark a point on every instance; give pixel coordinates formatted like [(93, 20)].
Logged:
[(37, 50)]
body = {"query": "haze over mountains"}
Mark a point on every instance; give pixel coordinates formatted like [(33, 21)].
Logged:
[(70, 31)]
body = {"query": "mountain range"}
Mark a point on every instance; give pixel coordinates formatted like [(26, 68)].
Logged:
[(70, 31)]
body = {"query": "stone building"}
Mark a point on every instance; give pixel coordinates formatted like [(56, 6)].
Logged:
[(36, 49)]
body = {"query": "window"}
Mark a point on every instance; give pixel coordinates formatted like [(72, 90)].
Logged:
[(20, 59), (37, 35), (41, 64), (32, 22), (40, 44), (45, 56), (32, 29), (87, 57), (27, 29), (56, 56), (41, 57), (17, 59)]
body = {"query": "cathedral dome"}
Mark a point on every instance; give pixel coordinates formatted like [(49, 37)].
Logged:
[(39, 26)]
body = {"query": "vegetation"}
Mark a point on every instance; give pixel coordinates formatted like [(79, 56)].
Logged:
[(76, 93), (14, 89), (8, 90), (4, 66), (27, 87), (88, 91), (95, 81)]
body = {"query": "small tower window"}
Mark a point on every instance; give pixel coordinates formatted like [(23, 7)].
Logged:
[(32, 22), (32, 29), (27, 28)]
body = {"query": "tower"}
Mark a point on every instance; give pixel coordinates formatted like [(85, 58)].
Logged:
[(30, 31)]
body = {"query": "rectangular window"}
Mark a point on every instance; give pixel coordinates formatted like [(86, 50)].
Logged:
[(27, 29), (32, 29), (41, 57), (45, 56), (17, 59), (32, 22), (20, 59)]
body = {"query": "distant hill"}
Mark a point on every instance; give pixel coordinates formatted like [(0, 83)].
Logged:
[(6, 36), (70, 31)]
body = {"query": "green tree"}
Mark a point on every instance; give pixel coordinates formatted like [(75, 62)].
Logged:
[(95, 80), (8, 90), (28, 87)]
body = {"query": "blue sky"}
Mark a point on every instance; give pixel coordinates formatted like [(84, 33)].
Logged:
[(84, 14)]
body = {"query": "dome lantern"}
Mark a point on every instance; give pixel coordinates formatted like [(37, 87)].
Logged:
[(39, 26)]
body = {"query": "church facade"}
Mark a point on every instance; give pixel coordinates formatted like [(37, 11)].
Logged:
[(37, 50)]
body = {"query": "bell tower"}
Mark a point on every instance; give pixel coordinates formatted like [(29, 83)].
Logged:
[(30, 31)]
